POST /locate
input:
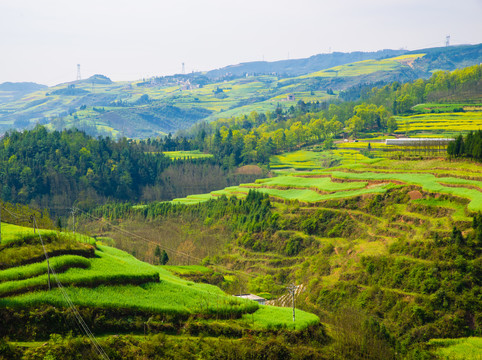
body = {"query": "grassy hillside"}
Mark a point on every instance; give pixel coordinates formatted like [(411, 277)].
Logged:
[(105, 280), (157, 106), (382, 241)]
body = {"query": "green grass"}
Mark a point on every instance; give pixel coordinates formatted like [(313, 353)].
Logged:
[(58, 264), (107, 267), (195, 154), (444, 107), (427, 181), (274, 317), (116, 279), (320, 183), (303, 176), (302, 159), (20, 248), (307, 195), (458, 349), (187, 269), (14, 232), (164, 297), (192, 199), (459, 209)]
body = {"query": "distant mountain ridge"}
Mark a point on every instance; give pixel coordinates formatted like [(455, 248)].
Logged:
[(296, 67), (11, 91), (160, 105), (21, 86)]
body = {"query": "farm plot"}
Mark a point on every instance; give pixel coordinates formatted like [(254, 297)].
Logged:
[(195, 154), (303, 159), (458, 349), (117, 280), (428, 182), (440, 123)]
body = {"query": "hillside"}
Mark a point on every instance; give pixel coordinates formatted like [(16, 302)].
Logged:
[(158, 106), (13, 91), (392, 243), (382, 241), (297, 67), (109, 291)]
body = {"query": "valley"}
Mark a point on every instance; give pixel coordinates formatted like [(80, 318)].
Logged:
[(146, 240)]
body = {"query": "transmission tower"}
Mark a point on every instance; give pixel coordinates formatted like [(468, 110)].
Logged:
[(78, 73), (447, 40), (183, 69)]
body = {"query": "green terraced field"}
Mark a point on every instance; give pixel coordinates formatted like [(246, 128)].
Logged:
[(306, 179), (443, 107), (428, 182), (195, 154), (301, 159), (458, 349), (321, 183), (269, 316), (115, 279), (306, 195)]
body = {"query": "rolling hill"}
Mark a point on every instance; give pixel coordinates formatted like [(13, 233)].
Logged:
[(158, 106)]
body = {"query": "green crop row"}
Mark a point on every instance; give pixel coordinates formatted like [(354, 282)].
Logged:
[(458, 349), (427, 181), (307, 195), (273, 317), (58, 264), (164, 297), (320, 183), (105, 268)]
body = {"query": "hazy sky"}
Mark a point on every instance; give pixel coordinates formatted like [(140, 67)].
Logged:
[(44, 40)]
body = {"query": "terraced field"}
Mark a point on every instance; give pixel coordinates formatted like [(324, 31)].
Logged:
[(141, 109), (195, 154), (307, 181), (458, 349), (101, 277), (444, 123)]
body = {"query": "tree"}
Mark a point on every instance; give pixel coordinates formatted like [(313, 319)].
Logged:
[(164, 258), (392, 124)]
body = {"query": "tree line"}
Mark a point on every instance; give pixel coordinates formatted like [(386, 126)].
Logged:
[(441, 86), (469, 146), (59, 169)]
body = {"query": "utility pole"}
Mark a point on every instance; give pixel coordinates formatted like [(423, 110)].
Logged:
[(292, 290)]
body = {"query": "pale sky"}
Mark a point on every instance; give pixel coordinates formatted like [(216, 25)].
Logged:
[(44, 40)]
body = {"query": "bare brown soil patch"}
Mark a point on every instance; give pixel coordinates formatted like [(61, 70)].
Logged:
[(249, 170), (415, 194)]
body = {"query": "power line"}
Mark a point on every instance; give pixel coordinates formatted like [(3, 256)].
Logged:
[(140, 237), (71, 305), (167, 248)]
